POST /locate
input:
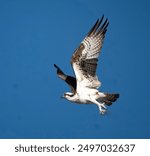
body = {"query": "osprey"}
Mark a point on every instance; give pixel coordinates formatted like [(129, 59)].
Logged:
[(84, 88)]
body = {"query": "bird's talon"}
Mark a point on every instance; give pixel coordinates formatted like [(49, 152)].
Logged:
[(102, 112)]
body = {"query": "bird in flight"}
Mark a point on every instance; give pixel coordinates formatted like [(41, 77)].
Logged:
[(84, 86)]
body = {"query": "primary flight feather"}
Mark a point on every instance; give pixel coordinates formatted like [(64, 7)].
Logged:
[(84, 63)]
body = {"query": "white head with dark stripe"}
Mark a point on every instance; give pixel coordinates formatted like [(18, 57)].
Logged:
[(69, 96)]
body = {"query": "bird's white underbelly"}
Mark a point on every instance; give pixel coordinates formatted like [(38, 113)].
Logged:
[(86, 95)]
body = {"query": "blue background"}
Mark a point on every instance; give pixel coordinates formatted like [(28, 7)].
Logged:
[(36, 34)]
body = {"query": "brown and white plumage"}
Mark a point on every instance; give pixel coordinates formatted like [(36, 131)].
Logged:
[(85, 57), (84, 62)]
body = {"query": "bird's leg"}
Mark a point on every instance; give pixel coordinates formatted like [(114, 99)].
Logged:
[(102, 111), (101, 106)]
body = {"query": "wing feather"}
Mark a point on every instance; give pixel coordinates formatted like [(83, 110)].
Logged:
[(71, 81), (85, 58)]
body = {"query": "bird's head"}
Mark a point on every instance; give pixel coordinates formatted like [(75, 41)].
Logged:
[(67, 95)]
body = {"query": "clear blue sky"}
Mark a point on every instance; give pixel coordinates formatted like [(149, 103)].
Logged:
[(35, 34)]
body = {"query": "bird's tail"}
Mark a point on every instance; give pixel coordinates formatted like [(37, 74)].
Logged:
[(110, 98)]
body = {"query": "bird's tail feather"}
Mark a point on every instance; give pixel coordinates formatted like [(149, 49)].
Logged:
[(110, 98)]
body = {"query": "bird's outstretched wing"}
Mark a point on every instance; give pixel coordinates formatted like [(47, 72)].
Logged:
[(71, 81), (85, 58)]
